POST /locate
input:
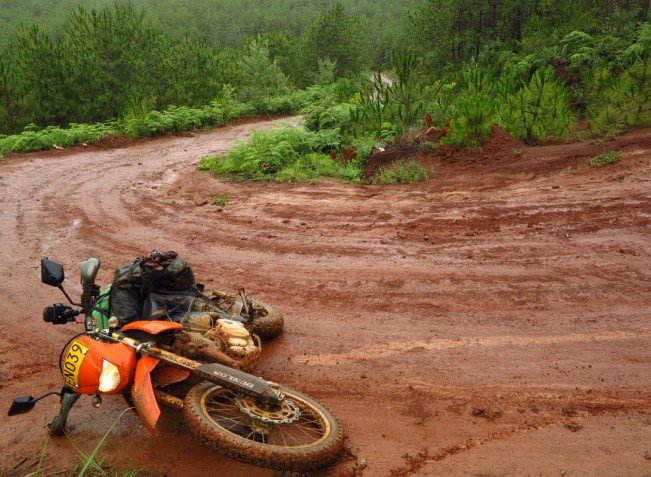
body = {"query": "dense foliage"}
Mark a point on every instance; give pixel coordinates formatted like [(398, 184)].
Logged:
[(288, 154), (534, 67)]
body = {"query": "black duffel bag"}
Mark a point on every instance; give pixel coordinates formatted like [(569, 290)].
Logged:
[(127, 292), (161, 273)]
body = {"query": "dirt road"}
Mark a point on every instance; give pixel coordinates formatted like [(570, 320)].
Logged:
[(494, 320)]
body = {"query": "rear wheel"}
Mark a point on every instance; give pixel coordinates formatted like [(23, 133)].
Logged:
[(268, 322), (299, 435)]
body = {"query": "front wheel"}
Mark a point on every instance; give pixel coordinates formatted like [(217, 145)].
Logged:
[(299, 435)]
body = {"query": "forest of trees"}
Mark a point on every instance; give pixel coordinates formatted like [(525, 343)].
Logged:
[(532, 66)]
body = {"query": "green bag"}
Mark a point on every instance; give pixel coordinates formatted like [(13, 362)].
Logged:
[(101, 310)]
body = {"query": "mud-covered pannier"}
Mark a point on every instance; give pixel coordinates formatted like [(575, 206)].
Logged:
[(167, 273), (127, 292), (161, 274)]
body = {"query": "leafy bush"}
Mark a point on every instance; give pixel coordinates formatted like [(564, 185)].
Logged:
[(141, 120), (401, 172), (314, 165), (30, 140), (173, 119), (336, 117), (277, 104), (605, 159), (286, 154)]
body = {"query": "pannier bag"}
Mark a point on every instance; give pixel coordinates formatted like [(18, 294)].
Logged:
[(167, 272), (160, 274), (127, 292)]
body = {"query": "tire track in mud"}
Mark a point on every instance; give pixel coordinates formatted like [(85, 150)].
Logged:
[(391, 349)]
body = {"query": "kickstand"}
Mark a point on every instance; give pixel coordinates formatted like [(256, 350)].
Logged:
[(58, 424)]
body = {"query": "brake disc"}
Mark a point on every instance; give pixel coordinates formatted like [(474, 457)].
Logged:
[(286, 414)]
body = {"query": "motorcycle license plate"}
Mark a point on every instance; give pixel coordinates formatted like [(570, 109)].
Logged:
[(72, 363)]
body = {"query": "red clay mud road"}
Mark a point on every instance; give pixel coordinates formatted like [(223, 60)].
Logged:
[(494, 320)]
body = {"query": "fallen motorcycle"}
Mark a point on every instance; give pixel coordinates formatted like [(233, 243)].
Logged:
[(236, 413), (219, 327)]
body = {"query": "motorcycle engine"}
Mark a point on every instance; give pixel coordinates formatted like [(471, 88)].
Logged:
[(236, 338), (206, 335)]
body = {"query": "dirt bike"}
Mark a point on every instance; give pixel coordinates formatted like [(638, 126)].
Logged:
[(238, 414)]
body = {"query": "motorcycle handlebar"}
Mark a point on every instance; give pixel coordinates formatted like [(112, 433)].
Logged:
[(59, 314)]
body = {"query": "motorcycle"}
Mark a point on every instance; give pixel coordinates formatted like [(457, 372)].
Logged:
[(237, 414)]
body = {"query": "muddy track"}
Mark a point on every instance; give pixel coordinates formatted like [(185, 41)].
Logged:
[(494, 320)]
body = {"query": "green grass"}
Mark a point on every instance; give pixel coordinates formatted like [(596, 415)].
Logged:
[(605, 159), (89, 464), (401, 172), (220, 200)]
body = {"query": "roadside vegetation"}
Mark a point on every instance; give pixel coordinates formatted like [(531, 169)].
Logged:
[(401, 172), (88, 465), (605, 159), (540, 71)]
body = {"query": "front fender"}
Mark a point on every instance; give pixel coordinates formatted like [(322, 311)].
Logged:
[(142, 393)]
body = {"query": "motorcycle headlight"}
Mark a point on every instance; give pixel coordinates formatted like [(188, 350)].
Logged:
[(110, 377)]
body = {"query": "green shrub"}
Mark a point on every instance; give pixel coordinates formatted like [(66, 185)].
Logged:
[(278, 104), (401, 172), (605, 159), (50, 137), (140, 120), (337, 117), (312, 166), (286, 154), (173, 119)]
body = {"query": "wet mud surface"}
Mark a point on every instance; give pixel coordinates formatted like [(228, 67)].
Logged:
[(493, 320)]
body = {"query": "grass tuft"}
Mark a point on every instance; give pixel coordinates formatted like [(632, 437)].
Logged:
[(605, 159), (220, 200), (401, 172)]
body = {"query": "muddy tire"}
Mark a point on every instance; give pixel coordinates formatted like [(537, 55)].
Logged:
[(268, 321), (216, 416)]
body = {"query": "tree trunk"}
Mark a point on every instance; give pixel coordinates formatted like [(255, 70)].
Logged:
[(644, 11)]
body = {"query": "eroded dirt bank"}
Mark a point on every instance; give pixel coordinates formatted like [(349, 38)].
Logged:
[(494, 320)]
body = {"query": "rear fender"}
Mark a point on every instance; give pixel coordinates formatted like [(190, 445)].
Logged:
[(142, 393), (152, 327)]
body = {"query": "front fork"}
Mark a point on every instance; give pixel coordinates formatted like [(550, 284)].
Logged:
[(68, 399)]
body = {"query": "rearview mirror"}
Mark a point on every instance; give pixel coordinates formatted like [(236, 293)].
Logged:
[(51, 273), (21, 405)]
